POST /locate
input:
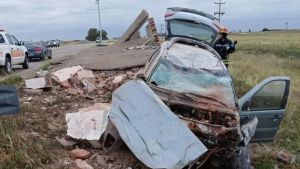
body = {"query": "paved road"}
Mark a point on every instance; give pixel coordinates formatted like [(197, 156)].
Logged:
[(57, 54)]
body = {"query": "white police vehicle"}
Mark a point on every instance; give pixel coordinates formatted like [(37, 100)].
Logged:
[(12, 52)]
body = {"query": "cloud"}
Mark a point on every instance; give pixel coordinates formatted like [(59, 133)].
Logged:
[(51, 19)]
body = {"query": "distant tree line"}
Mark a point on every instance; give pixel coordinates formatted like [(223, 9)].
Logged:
[(93, 33)]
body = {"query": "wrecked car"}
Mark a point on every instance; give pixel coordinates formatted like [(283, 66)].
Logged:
[(192, 81), (192, 24)]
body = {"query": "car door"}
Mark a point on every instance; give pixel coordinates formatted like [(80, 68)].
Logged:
[(15, 54), (266, 101), (21, 52)]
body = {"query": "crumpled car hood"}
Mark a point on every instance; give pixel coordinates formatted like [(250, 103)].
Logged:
[(155, 135)]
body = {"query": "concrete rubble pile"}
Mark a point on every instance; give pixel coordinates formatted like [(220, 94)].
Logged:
[(79, 81)]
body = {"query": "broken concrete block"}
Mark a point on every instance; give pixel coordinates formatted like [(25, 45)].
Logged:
[(101, 161), (135, 26), (65, 74), (85, 74), (83, 164), (65, 143), (89, 123), (79, 154), (285, 157), (90, 86), (118, 79), (37, 83), (41, 73)]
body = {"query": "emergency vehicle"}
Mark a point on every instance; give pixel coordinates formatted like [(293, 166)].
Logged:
[(12, 52)]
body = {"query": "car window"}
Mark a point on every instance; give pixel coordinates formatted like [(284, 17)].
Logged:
[(182, 71), (192, 29), (269, 97), (33, 43), (15, 40), (2, 39), (9, 39)]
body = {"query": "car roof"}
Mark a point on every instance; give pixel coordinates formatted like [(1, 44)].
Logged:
[(193, 15), (193, 11)]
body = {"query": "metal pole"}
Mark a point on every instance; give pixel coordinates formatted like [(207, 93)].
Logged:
[(100, 29), (220, 3)]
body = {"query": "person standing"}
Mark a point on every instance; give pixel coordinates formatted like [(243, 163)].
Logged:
[(224, 46)]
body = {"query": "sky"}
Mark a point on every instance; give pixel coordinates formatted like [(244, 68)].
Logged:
[(71, 19)]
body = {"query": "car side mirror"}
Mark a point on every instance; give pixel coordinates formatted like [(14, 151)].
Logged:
[(21, 43), (246, 106), (9, 100)]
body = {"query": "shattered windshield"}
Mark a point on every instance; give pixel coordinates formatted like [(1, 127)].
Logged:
[(192, 29), (184, 73)]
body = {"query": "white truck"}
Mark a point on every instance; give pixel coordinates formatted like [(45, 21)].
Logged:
[(12, 52)]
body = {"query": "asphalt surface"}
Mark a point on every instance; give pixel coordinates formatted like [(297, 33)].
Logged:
[(57, 54)]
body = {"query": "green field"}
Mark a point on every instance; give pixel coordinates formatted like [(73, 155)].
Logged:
[(264, 54)]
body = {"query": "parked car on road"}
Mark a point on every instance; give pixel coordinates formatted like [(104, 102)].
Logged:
[(38, 50), (98, 40), (52, 43), (191, 79), (12, 52)]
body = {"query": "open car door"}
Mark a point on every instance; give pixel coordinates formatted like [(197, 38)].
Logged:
[(9, 101), (266, 101)]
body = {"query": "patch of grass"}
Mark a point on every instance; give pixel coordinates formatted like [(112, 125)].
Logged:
[(12, 80), (264, 162), (45, 65), (19, 146)]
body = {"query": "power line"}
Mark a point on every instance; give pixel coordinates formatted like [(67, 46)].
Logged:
[(286, 26), (220, 3)]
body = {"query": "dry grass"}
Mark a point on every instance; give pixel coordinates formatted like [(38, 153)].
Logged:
[(250, 65)]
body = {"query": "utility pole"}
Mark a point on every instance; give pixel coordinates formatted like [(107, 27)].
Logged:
[(220, 3), (161, 29), (100, 29), (286, 26)]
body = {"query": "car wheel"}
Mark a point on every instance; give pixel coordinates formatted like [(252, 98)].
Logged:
[(8, 66), (42, 57), (25, 64)]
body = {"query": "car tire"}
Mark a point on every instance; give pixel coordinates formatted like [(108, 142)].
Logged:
[(25, 64), (8, 66), (42, 57)]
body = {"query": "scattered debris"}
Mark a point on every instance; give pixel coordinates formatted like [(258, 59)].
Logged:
[(79, 154), (89, 86), (64, 142), (42, 73), (85, 74), (152, 139), (285, 157), (89, 123), (65, 74), (38, 83), (34, 91), (81, 164)]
